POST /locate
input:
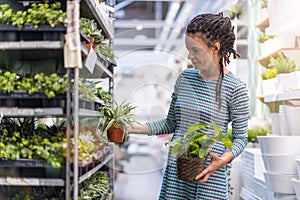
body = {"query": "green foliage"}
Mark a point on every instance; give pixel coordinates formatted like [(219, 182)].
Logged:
[(263, 37), (120, 115), (252, 134), (20, 139), (235, 11), (50, 85), (6, 13), (264, 4), (95, 187), (269, 73), (103, 95), (282, 64), (90, 28), (37, 14), (196, 144)]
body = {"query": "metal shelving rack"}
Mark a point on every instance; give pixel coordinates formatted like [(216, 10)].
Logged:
[(76, 50)]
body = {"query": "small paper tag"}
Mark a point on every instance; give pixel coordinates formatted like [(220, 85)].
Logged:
[(90, 60)]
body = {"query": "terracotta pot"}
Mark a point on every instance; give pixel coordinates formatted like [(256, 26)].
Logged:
[(91, 44), (115, 134)]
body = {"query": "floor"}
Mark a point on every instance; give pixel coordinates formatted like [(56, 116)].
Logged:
[(142, 171)]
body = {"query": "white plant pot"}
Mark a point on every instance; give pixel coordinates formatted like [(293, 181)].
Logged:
[(283, 121), (297, 160), (281, 83), (268, 86), (293, 82), (280, 183), (293, 118), (296, 186), (280, 163), (271, 144), (275, 122)]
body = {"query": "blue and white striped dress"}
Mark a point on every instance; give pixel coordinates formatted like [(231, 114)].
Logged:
[(194, 101)]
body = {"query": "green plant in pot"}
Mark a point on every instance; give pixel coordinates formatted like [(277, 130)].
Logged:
[(116, 120), (191, 150), (282, 64)]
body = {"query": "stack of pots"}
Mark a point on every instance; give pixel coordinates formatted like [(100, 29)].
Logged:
[(279, 154), (296, 181), (286, 122)]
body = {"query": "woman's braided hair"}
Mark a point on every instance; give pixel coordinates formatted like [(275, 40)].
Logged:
[(216, 28)]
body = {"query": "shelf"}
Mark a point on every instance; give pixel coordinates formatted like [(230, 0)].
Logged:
[(95, 169), (100, 69), (31, 182), (92, 9), (286, 96), (28, 112), (263, 25), (25, 45), (288, 52), (89, 113)]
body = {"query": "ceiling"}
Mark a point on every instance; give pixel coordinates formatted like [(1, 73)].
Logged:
[(158, 25)]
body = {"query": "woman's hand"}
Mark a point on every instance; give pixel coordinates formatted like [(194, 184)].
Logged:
[(215, 163)]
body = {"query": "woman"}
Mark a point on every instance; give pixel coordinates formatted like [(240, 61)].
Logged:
[(208, 92)]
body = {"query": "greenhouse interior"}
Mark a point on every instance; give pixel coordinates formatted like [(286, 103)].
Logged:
[(148, 100)]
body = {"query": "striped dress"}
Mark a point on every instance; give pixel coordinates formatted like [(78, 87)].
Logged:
[(194, 101)]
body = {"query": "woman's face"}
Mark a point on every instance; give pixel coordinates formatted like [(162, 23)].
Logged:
[(203, 57)]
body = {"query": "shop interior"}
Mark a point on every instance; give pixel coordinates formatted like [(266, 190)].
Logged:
[(65, 66)]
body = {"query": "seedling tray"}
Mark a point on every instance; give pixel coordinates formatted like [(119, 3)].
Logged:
[(22, 99)]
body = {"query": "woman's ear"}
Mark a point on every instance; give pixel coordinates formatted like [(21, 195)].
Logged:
[(217, 46)]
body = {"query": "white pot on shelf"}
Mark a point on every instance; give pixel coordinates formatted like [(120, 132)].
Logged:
[(293, 82), (296, 186), (272, 144), (280, 183), (283, 121), (293, 118), (275, 122), (280, 163), (268, 86)]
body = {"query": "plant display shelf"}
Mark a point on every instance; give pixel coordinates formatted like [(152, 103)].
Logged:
[(16, 49), (10, 181), (263, 24), (286, 98), (92, 9), (22, 169), (264, 61), (101, 69)]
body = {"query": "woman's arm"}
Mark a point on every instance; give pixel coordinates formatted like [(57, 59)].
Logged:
[(139, 129)]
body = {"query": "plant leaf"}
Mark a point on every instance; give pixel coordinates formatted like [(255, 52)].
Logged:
[(193, 128), (177, 148), (227, 142)]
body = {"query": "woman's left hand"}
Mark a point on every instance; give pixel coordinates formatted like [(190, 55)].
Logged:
[(215, 163)]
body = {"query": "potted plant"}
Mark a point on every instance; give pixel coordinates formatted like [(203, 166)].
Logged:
[(115, 121), (284, 66), (192, 150)]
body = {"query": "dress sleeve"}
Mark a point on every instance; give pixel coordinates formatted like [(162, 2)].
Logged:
[(239, 115), (167, 125)]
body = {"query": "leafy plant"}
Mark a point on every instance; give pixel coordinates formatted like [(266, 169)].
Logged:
[(264, 4), (196, 144), (282, 64), (95, 187), (6, 13), (269, 73), (235, 11), (263, 37), (120, 115), (90, 29), (37, 14)]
